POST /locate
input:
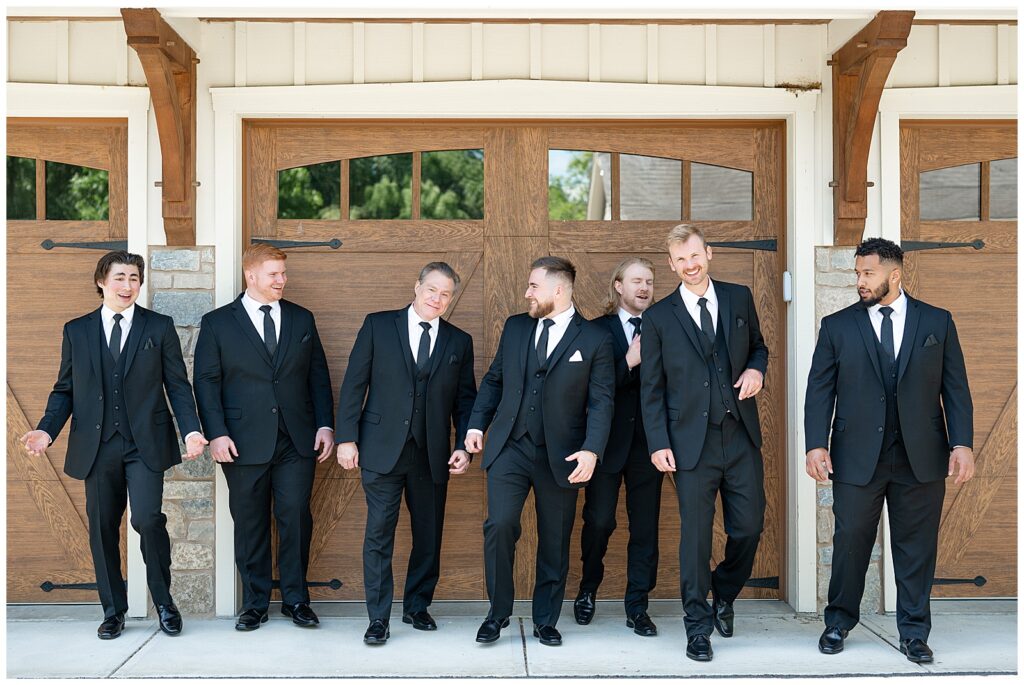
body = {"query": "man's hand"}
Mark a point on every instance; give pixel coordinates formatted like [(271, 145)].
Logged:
[(194, 446), (664, 460), (474, 442), (325, 443), (35, 442), (459, 462), (348, 455), (749, 383), (222, 448), (819, 464), (961, 462), (585, 463), (633, 353)]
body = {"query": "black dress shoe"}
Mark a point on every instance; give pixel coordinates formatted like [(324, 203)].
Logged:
[(584, 607), (722, 614), (301, 614), (917, 650), (832, 640), (642, 624), (548, 635), (111, 627), (490, 630), (698, 648), (169, 618), (377, 633), (420, 620), (251, 619)]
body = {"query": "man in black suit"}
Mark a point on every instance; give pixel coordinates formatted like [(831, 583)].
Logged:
[(115, 364), (548, 400), (409, 377), (704, 361), (630, 293), (885, 372), (265, 399)]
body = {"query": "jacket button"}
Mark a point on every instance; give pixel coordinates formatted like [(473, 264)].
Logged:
[(410, 394), (706, 384), (101, 398), (273, 410), (97, 426), (883, 398), (705, 413), (534, 392), (880, 429), (117, 408), (407, 422), (276, 381), (117, 423), (631, 419)]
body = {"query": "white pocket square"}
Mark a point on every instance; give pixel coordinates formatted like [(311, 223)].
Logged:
[(576, 357)]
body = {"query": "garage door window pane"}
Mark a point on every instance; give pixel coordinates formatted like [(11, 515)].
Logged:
[(1002, 203), (718, 193), (309, 192), (650, 187), (21, 188), (951, 194), (579, 185), (76, 193), (452, 184), (380, 187)]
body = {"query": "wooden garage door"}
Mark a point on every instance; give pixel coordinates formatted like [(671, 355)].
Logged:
[(66, 188), (959, 221), (383, 190)]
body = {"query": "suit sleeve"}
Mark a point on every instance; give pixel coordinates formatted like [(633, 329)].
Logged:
[(652, 389), (320, 390), (489, 396), (758, 355), (176, 382), (820, 399), (61, 399), (465, 398), (354, 385), (956, 393), (208, 378), (600, 398)]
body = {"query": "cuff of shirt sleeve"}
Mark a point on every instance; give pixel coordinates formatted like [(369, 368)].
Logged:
[(475, 430), (191, 434)]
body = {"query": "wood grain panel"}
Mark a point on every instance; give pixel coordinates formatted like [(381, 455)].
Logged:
[(260, 184), (384, 236), (506, 267), (967, 143), (117, 183), (768, 187), (634, 236), (26, 237), (998, 236), (84, 142), (515, 171), (708, 144)]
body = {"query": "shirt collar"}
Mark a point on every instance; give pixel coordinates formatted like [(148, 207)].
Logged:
[(252, 305), (899, 305), (691, 299), (127, 315), (564, 318), (415, 319), (625, 316)]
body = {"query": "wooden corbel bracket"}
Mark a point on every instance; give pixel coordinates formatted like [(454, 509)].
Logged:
[(170, 67), (859, 71)]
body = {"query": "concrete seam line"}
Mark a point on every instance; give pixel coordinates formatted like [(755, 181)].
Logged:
[(129, 657), (522, 637)]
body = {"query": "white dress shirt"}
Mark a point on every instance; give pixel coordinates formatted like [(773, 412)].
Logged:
[(415, 332), (252, 308), (692, 302), (627, 327), (898, 317), (107, 315), (556, 331)]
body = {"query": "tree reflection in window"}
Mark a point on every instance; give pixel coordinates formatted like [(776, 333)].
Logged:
[(21, 188), (309, 192), (572, 193), (452, 184), (77, 193), (380, 187)]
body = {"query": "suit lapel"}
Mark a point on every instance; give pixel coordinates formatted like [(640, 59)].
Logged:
[(618, 334), (867, 333), (909, 335), (679, 308), (571, 331), (724, 311), (439, 346), (402, 324), (287, 331), (95, 340), (249, 331), (135, 334)]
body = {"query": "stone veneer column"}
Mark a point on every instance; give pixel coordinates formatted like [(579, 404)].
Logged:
[(835, 288), (181, 284)]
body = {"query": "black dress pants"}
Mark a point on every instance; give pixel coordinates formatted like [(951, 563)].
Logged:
[(119, 474), (730, 464), (520, 466), (643, 507), (425, 501), (286, 482), (915, 510)]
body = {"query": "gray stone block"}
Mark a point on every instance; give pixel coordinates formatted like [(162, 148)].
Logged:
[(201, 531), (825, 497), (824, 576), (842, 258), (196, 281), (196, 468), (876, 551), (186, 308), (184, 339), (835, 279), (826, 526), (174, 260), (191, 556), (187, 489), (160, 281), (197, 508), (193, 592), (825, 556), (828, 300), (176, 524), (206, 253), (821, 260), (871, 600)]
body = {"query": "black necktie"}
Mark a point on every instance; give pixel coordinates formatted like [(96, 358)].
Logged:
[(887, 341), (706, 326), (269, 331), (115, 338), (423, 353), (636, 325), (542, 344)]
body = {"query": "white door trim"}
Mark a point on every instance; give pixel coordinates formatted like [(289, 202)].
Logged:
[(62, 100)]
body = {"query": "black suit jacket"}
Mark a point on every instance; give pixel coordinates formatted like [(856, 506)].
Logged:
[(240, 389), (381, 372), (627, 400), (153, 363), (674, 382), (578, 395), (846, 380)]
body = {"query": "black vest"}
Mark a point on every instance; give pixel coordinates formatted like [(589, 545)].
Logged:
[(719, 375), (418, 422), (530, 418), (892, 415), (115, 419)]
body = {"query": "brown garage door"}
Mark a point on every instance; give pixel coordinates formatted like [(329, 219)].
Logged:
[(66, 184), (959, 221), (489, 198)]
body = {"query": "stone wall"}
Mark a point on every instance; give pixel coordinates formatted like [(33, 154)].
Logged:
[(181, 282), (835, 288)]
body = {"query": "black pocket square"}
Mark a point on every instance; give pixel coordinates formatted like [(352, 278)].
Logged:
[(740, 323), (452, 359), (149, 344), (930, 341), (305, 338)]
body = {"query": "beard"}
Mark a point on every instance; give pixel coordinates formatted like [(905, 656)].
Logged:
[(539, 310), (876, 296)]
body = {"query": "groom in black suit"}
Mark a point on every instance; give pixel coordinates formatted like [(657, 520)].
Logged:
[(548, 400), (888, 382), (409, 377), (115, 364), (265, 399), (704, 361)]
